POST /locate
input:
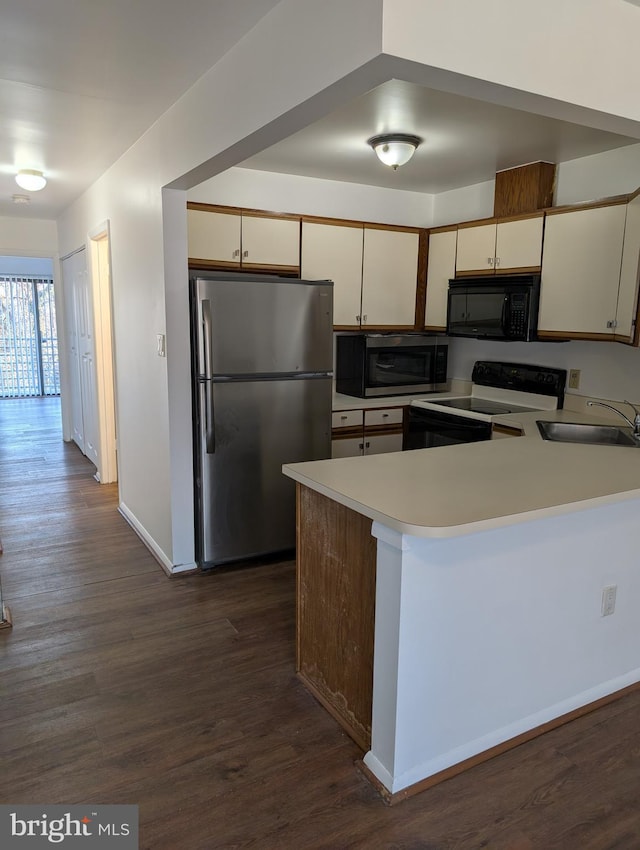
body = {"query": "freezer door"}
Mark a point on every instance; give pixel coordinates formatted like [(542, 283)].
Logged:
[(250, 326), (245, 505)]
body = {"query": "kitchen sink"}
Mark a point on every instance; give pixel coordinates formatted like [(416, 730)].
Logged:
[(579, 432)]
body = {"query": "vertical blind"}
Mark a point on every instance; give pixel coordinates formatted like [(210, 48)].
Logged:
[(28, 337)]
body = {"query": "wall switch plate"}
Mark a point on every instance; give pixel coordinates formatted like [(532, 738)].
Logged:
[(574, 379), (162, 350), (608, 600)]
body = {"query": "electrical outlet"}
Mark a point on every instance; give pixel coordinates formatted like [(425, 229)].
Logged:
[(608, 600), (574, 379)]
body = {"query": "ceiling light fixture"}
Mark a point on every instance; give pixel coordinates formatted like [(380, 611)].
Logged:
[(30, 179), (394, 149)]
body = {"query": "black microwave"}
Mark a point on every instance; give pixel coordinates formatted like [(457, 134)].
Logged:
[(504, 307), (370, 365)]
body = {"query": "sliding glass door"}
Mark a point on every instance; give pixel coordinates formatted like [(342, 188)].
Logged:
[(28, 337)]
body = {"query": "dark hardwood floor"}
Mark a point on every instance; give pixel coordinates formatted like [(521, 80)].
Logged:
[(120, 685)]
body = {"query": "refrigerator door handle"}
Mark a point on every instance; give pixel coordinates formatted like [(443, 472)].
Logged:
[(207, 326), (206, 405)]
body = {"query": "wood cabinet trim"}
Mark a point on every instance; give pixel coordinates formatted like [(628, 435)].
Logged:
[(436, 328), (365, 225), (196, 205), (591, 205), (344, 432), (518, 270), (520, 217), (509, 430), (242, 211), (604, 337), (479, 222), (444, 229)]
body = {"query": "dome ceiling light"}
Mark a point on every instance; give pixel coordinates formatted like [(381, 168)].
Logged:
[(394, 149), (30, 179)]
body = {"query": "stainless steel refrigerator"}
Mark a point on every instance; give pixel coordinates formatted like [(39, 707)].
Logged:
[(262, 359)]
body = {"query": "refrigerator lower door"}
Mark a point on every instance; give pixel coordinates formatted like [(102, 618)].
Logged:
[(245, 506)]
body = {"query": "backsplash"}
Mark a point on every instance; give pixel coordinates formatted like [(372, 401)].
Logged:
[(609, 370)]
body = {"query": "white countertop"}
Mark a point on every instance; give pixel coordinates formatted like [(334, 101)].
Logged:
[(451, 491)]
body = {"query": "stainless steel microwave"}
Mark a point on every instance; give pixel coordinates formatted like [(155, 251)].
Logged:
[(504, 307), (370, 365)]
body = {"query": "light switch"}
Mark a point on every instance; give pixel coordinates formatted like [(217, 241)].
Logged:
[(162, 351)]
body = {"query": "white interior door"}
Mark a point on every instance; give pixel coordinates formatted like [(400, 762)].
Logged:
[(81, 346)]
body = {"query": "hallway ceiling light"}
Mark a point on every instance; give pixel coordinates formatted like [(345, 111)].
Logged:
[(30, 179), (394, 149)]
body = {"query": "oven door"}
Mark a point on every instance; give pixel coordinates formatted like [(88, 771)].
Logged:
[(429, 428)]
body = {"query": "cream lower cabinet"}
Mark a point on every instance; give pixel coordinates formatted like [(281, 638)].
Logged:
[(358, 432), (374, 270), (500, 247), (581, 267), (242, 240), (441, 267)]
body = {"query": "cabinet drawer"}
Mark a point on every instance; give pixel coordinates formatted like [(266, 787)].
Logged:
[(384, 416), (346, 418)]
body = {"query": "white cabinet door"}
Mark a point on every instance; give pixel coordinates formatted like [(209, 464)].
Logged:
[(476, 248), (519, 244), (214, 236), (270, 241), (581, 270), (382, 443), (389, 277), (347, 447), (334, 252), (628, 291), (441, 266)]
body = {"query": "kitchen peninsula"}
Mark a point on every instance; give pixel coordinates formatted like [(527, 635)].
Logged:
[(449, 599)]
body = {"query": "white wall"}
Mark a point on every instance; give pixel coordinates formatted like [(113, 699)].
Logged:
[(28, 237), (243, 187), (615, 172)]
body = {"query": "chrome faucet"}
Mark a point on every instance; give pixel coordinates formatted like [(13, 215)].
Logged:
[(635, 425)]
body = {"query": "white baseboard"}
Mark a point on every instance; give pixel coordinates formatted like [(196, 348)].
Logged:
[(160, 556)]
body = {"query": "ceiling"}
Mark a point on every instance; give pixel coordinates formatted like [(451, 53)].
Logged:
[(465, 141), (81, 80)]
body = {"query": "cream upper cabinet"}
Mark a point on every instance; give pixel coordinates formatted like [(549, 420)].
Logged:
[(240, 240), (270, 241), (334, 252), (499, 247), (389, 277), (581, 272), (476, 248), (628, 291), (441, 267), (519, 244), (374, 272), (214, 236)]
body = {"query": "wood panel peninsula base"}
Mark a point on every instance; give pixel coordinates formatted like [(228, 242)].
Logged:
[(481, 639)]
